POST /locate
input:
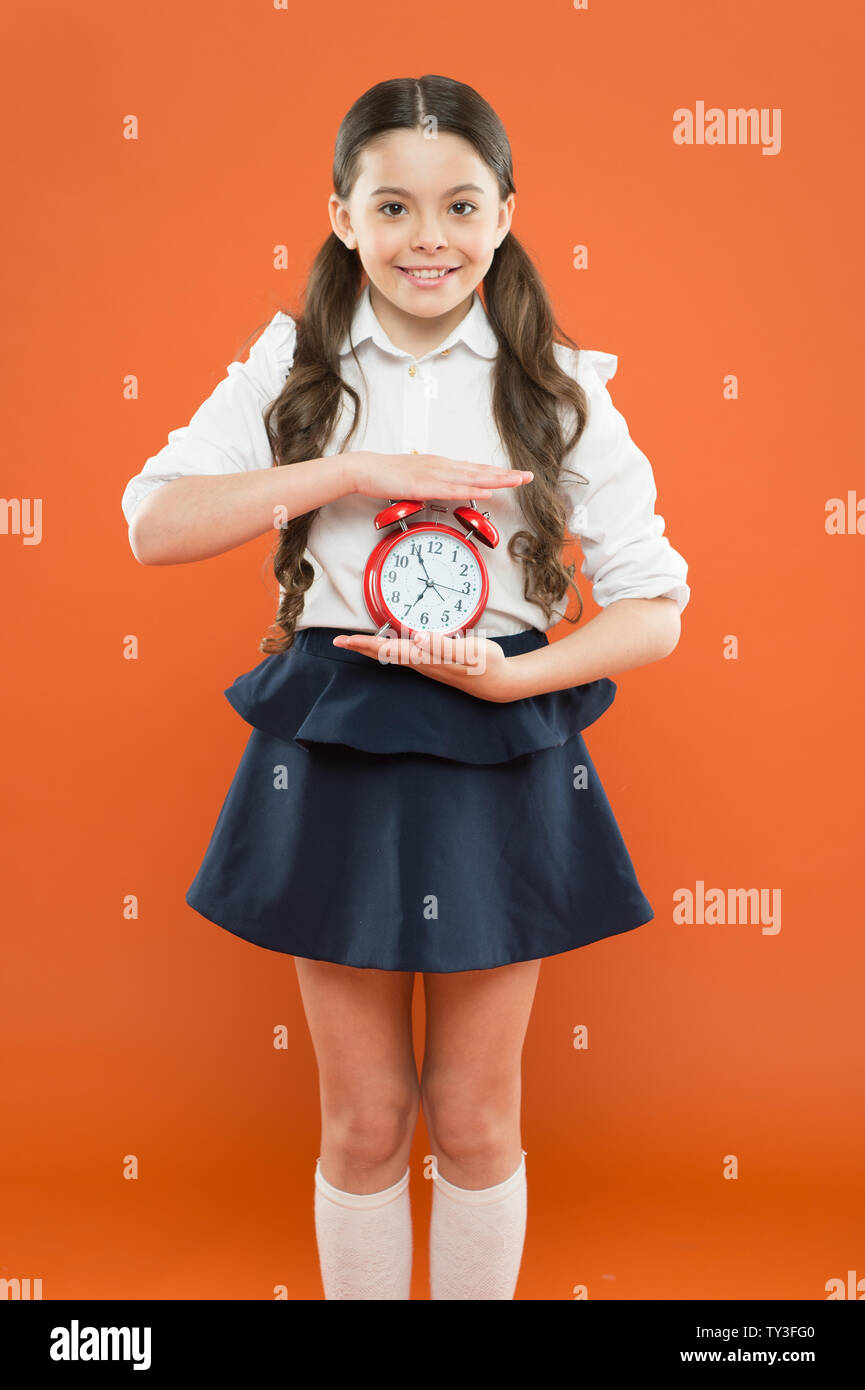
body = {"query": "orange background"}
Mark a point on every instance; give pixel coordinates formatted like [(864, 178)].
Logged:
[(153, 1037)]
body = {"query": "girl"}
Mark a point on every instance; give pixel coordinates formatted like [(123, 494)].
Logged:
[(404, 807)]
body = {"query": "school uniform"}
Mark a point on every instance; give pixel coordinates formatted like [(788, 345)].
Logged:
[(380, 818)]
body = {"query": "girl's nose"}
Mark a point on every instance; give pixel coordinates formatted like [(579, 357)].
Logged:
[(430, 239)]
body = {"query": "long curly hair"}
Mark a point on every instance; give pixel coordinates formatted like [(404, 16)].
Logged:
[(528, 385)]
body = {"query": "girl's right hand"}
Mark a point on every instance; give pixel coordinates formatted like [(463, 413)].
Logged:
[(420, 476)]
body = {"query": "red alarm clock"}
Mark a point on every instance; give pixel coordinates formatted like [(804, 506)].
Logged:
[(426, 576)]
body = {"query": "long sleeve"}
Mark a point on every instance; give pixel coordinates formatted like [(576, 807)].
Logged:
[(227, 433), (625, 551)]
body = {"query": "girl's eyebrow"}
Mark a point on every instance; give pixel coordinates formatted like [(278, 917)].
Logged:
[(404, 192)]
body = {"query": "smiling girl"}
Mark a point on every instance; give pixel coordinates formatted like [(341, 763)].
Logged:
[(405, 806)]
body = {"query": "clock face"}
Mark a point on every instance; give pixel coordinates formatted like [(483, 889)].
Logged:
[(431, 581)]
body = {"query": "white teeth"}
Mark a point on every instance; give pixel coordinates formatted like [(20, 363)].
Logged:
[(427, 274)]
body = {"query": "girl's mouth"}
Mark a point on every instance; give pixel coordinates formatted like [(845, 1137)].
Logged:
[(426, 281)]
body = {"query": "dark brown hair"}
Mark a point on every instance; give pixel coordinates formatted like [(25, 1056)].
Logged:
[(528, 384)]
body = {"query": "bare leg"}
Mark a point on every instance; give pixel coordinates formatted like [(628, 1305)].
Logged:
[(471, 1089), (360, 1026), (471, 1083)]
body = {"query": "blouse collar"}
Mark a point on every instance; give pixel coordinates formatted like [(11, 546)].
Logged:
[(475, 330)]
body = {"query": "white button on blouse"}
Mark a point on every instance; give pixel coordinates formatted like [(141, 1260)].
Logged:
[(436, 404)]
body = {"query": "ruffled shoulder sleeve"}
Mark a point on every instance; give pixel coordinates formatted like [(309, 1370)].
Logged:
[(282, 331), (604, 364)]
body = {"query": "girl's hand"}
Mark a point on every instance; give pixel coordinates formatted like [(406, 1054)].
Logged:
[(471, 662), (421, 476)]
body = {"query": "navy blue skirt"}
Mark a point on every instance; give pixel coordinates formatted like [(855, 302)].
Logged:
[(382, 819)]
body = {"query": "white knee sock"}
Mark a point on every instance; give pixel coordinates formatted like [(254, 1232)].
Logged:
[(364, 1240), (476, 1237)]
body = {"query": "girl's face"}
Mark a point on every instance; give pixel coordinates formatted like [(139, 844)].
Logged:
[(423, 202)]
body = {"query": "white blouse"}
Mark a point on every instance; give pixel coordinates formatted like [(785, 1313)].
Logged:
[(436, 404)]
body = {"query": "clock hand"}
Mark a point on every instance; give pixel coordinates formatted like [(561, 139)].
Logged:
[(429, 582), (417, 600), (429, 585), (433, 584)]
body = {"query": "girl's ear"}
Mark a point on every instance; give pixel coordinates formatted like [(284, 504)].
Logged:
[(506, 213), (340, 221)]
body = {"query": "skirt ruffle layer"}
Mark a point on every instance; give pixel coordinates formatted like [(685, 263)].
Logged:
[(381, 819), (388, 708)]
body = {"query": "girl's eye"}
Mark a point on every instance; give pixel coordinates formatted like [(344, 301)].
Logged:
[(459, 204)]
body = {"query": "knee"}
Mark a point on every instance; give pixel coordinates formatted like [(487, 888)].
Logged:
[(369, 1133), (463, 1126)]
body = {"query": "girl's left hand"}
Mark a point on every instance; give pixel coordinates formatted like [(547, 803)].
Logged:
[(470, 662)]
